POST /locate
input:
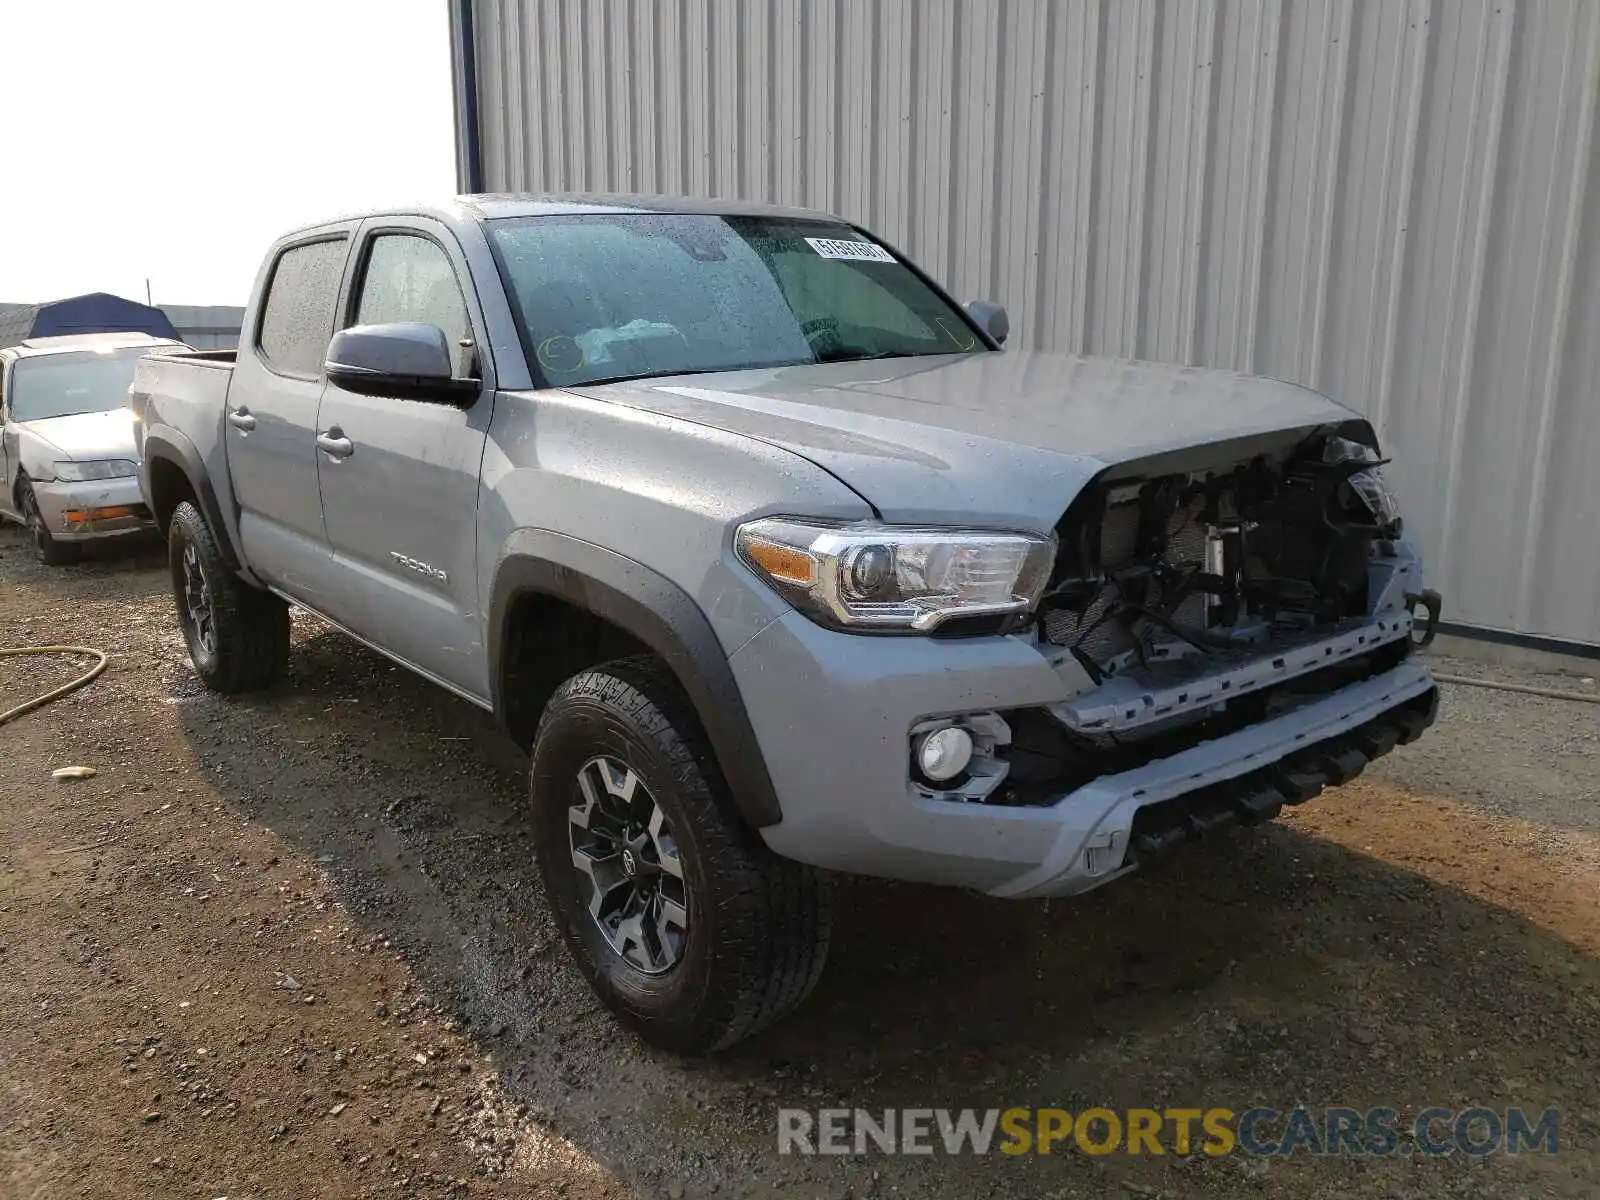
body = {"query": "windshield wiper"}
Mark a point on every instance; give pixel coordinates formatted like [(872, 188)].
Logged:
[(714, 370), (632, 375), (845, 354), (840, 356)]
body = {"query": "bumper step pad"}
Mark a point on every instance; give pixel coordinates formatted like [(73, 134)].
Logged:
[(1260, 795)]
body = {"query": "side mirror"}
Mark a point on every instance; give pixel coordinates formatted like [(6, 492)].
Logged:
[(991, 317), (407, 359)]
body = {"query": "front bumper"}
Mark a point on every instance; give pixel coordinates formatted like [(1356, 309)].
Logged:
[(72, 512), (833, 714)]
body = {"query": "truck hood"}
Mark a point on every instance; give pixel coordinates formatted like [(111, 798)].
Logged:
[(87, 435), (998, 439)]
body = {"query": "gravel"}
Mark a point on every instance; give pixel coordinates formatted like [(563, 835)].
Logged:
[(1430, 934)]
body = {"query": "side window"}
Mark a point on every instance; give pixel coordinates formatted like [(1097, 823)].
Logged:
[(297, 316), (409, 278)]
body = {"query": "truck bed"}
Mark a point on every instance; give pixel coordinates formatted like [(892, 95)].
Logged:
[(181, 398), (185, 390)]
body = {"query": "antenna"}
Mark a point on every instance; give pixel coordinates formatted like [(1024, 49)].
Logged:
[(147, 299)]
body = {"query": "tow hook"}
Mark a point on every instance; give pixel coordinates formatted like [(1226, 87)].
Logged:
[(1431, 604)]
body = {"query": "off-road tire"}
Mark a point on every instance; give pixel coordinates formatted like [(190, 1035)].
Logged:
[(45, 547), (250, 626), (758, 928)]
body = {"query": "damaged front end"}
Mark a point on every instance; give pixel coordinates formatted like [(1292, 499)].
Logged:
[(1207, 566), (1235, 630)]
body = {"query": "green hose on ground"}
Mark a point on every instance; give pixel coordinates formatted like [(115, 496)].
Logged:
[(28, 706)]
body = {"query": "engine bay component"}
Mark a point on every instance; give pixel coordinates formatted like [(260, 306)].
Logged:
[(1212, 563)]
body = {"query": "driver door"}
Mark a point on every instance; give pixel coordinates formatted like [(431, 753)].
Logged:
[(399, 478)]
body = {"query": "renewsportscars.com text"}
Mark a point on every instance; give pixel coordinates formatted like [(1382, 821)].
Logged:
[(1258, 1132)]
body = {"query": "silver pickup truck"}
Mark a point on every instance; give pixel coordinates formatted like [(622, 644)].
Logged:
[(778, 565)]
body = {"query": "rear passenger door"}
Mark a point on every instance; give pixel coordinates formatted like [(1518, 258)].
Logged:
[(270, 425), (400, 499)]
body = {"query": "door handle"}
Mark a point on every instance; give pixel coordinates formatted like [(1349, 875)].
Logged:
[(334, 443), (240, 418)]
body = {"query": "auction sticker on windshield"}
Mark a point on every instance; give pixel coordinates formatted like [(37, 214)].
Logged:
[(849, 249)]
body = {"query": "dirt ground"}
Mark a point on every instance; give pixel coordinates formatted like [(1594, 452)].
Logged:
[(292, 945)]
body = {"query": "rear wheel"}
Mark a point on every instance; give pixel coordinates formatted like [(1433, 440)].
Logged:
[(689, 929), (238, 636), (45, 547)]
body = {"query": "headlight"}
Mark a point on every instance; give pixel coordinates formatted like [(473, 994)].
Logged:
[(98, 468), (888, 577), (1368, 483)]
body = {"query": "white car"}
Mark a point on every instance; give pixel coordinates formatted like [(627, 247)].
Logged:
[(67, 455)]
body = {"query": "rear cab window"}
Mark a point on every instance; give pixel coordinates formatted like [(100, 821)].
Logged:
[(297, 313)]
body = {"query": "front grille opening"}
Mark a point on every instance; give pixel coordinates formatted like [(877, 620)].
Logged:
[(1212, 562), (1112, 615), (1047, 760)]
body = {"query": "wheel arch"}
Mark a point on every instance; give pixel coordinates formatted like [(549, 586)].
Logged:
[(172, 472), (619, 607)]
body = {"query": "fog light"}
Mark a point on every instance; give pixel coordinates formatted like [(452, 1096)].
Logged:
[(944, 753)]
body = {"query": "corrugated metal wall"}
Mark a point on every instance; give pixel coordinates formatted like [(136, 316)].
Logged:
[(1390, 200)]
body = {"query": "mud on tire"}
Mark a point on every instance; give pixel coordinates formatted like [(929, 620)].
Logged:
[(238, 636), (757, 926)]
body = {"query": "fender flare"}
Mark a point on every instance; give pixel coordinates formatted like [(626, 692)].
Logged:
[(165, 444), (654, 611)]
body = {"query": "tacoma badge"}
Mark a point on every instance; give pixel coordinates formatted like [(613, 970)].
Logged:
[(421, 568)]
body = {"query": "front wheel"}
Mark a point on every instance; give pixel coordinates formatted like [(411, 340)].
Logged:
[(45, 547), (238, 636), (688, 928)]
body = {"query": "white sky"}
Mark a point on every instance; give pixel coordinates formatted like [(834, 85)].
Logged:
[(175, 139)]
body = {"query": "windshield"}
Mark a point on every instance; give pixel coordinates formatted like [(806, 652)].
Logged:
[(58, 385), (608, 296)]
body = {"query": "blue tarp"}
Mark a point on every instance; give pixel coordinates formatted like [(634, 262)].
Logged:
[(98, 312)]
